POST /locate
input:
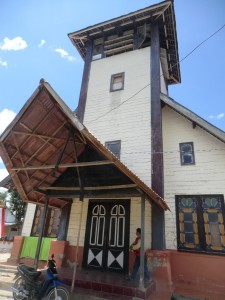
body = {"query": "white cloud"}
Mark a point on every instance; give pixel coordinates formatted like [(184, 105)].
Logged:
[(0, 160), (6, 117), (3, 174), (15, 44), (219, 116), (3, 63), (42, 42), (65, 54)]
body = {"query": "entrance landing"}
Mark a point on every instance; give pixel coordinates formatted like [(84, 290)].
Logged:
[(106, 285)]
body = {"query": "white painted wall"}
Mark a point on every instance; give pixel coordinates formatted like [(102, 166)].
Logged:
[(135, 221), (207, 176), (123, 115), (29, 218), (77, 223)]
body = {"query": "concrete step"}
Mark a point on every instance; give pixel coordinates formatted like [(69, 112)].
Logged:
[(6, 277), (5, 295)]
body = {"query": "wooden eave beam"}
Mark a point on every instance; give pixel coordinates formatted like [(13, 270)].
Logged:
[(88, 188), (69, 165), (106, 194), (158, 9)]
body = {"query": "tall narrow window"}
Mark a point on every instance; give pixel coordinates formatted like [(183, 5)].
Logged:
[(114, 147), (200, 223), (117, 82), (187, 153), (52, 222)]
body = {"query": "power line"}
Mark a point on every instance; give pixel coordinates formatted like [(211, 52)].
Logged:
[(159, 77), (202, 43)]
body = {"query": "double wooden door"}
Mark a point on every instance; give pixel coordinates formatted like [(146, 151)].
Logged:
[(107, 235)]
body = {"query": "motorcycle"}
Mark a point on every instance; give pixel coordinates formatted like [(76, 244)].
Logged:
[(28, 285)]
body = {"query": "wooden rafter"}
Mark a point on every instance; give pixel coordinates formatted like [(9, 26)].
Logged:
[(6, 157), (88, 188), (27, 128), (62, 152), (162, 11), (20, 155), (41, 136), (69, 165), (55, 147)]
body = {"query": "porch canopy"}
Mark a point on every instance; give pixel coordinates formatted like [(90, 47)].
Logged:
[(49, 153)]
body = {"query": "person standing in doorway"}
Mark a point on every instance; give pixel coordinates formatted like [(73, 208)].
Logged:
[(136, 248)]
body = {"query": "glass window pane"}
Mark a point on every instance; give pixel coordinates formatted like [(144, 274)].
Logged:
[(117, 82), (187, 217), (188, 227), (213, 217), (114, 147), (187, 153), (187, 158), (189, 238), (215, 234), (186, 148)]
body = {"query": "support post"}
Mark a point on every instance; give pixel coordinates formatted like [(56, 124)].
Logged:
[(41, 233), (84, 84), (158, 217), (77, 248), (142, 254)]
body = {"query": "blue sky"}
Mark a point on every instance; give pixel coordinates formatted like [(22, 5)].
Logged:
[(34, 45)]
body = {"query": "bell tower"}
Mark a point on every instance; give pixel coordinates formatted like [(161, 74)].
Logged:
[(128, 62)]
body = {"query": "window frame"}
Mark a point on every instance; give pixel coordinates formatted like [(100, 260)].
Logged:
[(114, 142), (50, 230), (182, 154), (203, 246), (113, 76)]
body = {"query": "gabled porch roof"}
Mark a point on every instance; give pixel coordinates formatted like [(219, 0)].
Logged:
[(48, 152)]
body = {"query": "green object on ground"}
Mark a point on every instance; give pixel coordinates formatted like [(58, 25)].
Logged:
[(30, 247)]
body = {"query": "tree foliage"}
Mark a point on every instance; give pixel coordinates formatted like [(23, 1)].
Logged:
[(17, 206), (3, 196)]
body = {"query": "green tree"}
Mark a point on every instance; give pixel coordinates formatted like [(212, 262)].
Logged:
[(3, 196), (17, 207)]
